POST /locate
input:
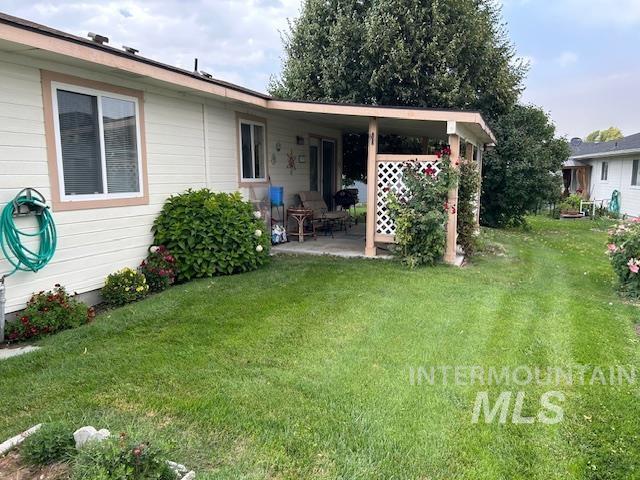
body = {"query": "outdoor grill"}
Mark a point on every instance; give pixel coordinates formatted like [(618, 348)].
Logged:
[(346, 198)]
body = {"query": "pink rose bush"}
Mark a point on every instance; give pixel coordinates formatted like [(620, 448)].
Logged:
[(623, 249)]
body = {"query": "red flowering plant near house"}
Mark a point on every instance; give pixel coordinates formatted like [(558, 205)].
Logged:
[(47, 313), (623, 249), (159, 268), (420, 212)]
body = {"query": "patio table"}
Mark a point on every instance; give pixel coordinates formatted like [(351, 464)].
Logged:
[(301, 216)]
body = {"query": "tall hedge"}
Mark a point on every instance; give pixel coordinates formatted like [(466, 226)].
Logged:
[(211, 234)]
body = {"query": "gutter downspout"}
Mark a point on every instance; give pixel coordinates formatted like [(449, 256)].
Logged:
[(3, 301), (205, 136)]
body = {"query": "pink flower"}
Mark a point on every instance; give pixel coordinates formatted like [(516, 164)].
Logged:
[(634, 265), (612, 247)]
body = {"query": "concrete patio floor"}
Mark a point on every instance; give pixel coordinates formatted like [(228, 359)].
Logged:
[(348, 244)]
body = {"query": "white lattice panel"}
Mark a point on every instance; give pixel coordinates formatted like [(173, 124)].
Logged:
[(389, 179)]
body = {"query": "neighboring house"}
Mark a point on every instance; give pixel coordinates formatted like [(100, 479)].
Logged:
[(595, 170), (107, 136)]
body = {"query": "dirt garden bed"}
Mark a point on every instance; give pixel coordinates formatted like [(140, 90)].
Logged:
[(11, 468)]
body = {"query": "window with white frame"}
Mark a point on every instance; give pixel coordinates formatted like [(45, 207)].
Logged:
[(634, 173), (98, 143), (252, 151), (604, 171)]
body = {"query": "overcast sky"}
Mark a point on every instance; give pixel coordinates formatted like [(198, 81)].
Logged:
[(585, 64)]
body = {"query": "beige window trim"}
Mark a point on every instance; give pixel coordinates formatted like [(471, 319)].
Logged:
[(242, 182), (47, 77)]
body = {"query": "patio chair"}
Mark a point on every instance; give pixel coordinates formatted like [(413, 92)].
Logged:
[(321, 214)]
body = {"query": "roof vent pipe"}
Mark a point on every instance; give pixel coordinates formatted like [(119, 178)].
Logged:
[(130, 50), (100, 39)]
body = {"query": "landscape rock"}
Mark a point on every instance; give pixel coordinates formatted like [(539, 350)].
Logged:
[(89, 434)]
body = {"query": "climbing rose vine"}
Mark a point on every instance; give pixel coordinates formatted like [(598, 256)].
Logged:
[(420, 213)]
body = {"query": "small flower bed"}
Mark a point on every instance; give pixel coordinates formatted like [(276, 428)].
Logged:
[(159, 268), (47, 313), (124, 286), (623, 249)]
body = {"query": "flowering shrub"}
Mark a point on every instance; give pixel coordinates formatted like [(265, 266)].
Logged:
[(124, 286), (47, 313), (624, 252), (159, 268), (211, 234), (420, 214)]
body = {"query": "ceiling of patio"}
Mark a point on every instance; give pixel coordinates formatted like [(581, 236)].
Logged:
[(360, 124)]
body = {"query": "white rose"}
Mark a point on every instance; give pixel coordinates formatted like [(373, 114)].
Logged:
[(258, 233), (153, 249), (257, 214), (259, 248)]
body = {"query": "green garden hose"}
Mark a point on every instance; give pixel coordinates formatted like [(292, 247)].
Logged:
[(21, 257), (614, 204)]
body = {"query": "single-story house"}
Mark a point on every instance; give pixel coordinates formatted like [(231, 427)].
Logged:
[(596, 169), (108, 135)]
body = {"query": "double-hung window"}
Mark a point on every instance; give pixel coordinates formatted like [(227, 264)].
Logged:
[(635, 181), (98, 146), (604, 171), (253, 152)]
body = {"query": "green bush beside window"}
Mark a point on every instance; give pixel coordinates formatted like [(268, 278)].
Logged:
[(211, 234)]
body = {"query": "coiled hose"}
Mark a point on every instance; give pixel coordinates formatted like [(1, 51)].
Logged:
[(614, 204), (12, 239)]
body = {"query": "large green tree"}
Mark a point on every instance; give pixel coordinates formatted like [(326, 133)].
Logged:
[(434, 53), (421, 53), (523, 170), (611, 133)]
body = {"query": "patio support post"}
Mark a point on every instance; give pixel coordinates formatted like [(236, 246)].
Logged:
[(372, 151), (479, 153), (452, 200)]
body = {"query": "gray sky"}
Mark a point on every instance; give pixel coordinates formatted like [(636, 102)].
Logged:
[(585, 66)]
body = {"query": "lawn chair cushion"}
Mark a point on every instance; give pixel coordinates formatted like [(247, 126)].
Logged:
[(314, 201)]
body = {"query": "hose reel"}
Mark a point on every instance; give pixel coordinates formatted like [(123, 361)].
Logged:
[(13, 240)]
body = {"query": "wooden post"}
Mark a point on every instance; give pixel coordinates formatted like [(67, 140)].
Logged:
[(479, 153), (372, 151), (452, 200)]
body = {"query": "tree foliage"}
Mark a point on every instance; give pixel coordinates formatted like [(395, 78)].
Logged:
[(611, 133), (523, 169), (436, 53)]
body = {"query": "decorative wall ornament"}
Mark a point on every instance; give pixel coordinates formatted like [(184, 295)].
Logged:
[(291, 162)]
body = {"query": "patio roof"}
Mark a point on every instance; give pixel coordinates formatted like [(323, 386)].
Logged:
[(32, 39)]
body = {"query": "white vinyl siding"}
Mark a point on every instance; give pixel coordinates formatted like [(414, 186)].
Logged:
[(94, 243), (98, 143)]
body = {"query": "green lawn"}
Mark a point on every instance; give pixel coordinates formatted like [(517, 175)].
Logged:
[(301, 370)]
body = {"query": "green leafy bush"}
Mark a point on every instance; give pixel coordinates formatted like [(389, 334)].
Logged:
[(624, 253), (47, 313), (121, 459), (571, 204), (159, 268), (211, 234), (52, 443), (420, 215), (124, 286), (468, 187)]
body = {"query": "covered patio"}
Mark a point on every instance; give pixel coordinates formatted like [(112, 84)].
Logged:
[(465, 132)]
